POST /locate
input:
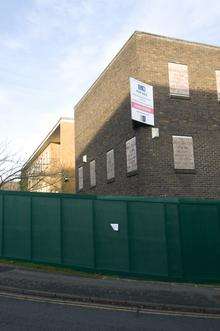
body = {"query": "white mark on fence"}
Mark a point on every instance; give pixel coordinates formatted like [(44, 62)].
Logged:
[(115, 226)]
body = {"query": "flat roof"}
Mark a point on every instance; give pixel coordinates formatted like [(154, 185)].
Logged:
[(177, 39)]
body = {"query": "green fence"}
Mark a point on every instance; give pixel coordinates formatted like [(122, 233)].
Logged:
[(172, 239)]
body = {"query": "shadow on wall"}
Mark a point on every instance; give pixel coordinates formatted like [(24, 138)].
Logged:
[(197, 116)]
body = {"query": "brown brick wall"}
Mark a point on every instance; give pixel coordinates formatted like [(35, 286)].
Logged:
[(58, 174), (103, 121)]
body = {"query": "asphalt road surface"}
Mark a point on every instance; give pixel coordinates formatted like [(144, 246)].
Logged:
[(19, 313)]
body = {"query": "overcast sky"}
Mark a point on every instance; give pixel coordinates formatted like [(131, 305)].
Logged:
[(52, 50)]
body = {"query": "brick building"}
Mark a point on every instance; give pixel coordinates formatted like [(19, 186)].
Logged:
[(51, 168), (177, 156)]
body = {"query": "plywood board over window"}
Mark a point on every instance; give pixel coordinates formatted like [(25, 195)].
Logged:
[(92, 174), (183, 153), (178, 80), (217, 73), (110, 164), (80, 176), (131, 155)]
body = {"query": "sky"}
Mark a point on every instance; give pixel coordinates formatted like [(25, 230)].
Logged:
[(51, 51)]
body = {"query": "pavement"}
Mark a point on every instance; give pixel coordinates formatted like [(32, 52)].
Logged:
[(20, 314), (137, 294)]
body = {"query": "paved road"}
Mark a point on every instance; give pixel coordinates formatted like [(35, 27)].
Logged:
[(134, 292), (22, 314)]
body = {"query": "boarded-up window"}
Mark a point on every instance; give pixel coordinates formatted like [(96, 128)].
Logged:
[(110, 164), (92, 174), (178, 79), (218, 83), (80, 176), (183, 153), (131, 155)]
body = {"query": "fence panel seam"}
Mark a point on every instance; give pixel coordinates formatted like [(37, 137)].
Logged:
[(61, 229), (93, 233), (31, 230)]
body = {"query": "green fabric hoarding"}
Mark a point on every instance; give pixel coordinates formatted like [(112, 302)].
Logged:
[(170, 239)]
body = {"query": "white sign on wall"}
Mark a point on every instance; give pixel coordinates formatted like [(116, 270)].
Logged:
[(142, 102), (131, 154), (218, 83), (92, 174), (178, 79), (110, 164), (80, 176)]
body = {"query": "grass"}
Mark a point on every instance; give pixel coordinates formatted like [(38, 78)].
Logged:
[(91, 274), (51, 268)]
